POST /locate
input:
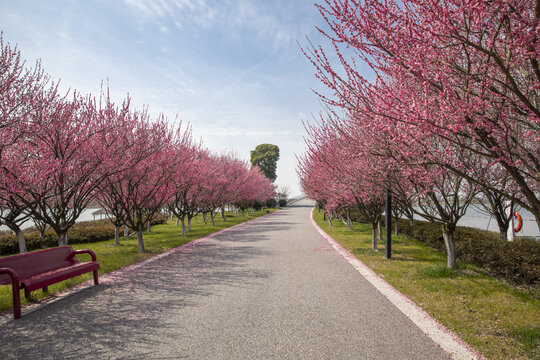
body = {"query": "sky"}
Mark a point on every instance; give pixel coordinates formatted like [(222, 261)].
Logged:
[(232, 69)]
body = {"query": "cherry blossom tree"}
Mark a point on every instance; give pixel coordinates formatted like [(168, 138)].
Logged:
[(213, 183), (255, 188), (465, 72), (130, 142), (147, 187), (65, 155), (360, 159), (21, 90), (210, 182), (232, 170), (185, 202), (350, 179)]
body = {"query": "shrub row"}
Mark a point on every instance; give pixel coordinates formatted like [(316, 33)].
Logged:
[(83, 232), (517, 261)]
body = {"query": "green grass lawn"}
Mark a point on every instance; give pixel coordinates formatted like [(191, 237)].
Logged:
[(112, 257), (500, 321)]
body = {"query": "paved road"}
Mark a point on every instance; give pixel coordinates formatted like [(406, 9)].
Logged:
[(271, 289)]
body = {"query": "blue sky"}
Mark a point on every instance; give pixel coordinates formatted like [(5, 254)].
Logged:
[(231, 68)]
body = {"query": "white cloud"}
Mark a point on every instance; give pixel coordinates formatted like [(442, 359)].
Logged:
[(238, 18), (180, 12), (140, 6)]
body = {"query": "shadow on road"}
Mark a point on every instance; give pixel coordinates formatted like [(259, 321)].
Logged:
[(111, 318)]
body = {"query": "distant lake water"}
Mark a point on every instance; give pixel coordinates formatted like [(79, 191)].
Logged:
[(479, 220), (86, 215)]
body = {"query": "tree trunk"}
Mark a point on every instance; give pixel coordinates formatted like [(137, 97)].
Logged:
[(149, 229), (116, 235), (374, 236), (223, 214), (212, 217), (21, 240), (204, 217), (177, 221), (347, 222), (379, 226), (19, 234), (140, 241), (448, 236), (182, 219), (396, 226), (42, 227), (126, 231), (62, 238), (189, 223), (503, 224), (329, 220)]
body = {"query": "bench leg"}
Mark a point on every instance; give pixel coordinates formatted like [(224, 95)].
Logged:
[(27, 294), (16, 300), (96, 282)]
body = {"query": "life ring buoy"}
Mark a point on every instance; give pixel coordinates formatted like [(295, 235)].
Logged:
[(519, 221)]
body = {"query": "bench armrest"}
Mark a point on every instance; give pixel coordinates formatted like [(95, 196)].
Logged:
[(12, 273), (15, 290), (86, 251)]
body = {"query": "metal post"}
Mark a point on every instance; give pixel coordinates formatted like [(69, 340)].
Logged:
[(388, 211)]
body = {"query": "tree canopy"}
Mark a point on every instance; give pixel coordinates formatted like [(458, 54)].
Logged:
[(265, 156)]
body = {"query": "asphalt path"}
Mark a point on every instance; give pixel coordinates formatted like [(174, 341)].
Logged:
[(272, 288)]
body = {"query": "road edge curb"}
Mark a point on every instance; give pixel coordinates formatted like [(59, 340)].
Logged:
[(441, 335)]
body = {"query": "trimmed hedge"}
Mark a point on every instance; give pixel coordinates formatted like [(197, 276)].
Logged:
[(82, 232), (517, 261), (271, 203)]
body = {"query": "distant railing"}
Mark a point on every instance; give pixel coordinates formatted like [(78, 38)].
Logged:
[(295, 200)]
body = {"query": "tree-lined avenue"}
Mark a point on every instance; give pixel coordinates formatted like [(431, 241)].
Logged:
[(270, 288)]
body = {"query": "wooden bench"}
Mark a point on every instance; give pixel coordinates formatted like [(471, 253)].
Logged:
[(39, 269)]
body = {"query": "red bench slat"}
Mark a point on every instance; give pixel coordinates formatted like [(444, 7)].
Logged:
[(37, 262), (57, 275)]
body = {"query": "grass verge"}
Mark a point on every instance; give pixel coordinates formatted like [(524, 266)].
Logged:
[(500, 321), (112, 257)]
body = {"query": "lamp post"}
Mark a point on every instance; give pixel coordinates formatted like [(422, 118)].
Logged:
[(388, 225)]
